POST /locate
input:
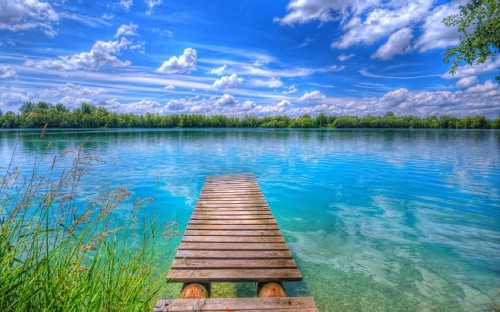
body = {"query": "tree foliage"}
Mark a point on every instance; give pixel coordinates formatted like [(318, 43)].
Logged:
[(37, 115), (479, 25)]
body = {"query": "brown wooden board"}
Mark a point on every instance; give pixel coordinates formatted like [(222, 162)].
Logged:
[(234, 239), (258, 233), (232, 246), (234, 275), (233, 236), (233, 263), (287, 304), (233, 254)]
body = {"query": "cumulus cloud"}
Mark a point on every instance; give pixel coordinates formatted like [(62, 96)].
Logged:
[(485, 88), (152, 4), (7, 72), (228, 82), (126, 4), (361, 21), (344, 57), (291, 89), (397, 44), (226, 100), (103, 53), (313, 96), (492, 64), (68, 94), (27, 14), (435, 33), (219, 70), (382, 21), (175, 105), (466, 82), (273, 82), (247, 105), (284, 103), (185, 63), (304, 11), (127, 30)]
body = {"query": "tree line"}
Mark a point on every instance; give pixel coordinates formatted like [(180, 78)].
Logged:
[(37, 115)]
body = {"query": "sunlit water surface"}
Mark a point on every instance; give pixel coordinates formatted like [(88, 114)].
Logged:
[(392, 220)]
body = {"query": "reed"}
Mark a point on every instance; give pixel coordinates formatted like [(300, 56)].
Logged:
[(60, 252)]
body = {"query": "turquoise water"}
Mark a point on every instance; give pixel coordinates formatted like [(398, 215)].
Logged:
[(378, 220)]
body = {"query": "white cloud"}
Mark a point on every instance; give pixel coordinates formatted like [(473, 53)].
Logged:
[(313, 96), (485, 88), (397, 44), (435, 33), (247, 105), (127, 30), (185, 63), (219, 70), (162, 32), (284, 103), (381, 21), (344, 57), (126, 4), (491, 65), (226, 100), (466, 82), (103, 53), (27, 14), (228, 82), (108, 16), (304, 11), (151, 4), (7, 72), (291, 89), (68, 94), (175, 105), (273, 82), (169, 87), (362, 21)]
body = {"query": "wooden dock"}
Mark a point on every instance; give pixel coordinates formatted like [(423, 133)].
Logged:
[(232, 236)]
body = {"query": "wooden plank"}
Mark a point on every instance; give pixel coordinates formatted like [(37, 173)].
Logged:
[(233, 263), (233, 275), (233, 254), (286, 304), (228, 222), (231, 205), (234, 239), (231, 246), (233, 191), (242, 216), (243, 201), (236, 213), (260, 233), (232, 227)]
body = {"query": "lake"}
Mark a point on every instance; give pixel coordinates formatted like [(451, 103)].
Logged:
[(377, 220)]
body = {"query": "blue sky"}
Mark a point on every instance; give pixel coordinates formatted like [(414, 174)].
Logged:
[(246, 57)]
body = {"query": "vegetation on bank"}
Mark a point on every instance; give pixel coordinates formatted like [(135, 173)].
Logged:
[(60, 252), (38, 115)]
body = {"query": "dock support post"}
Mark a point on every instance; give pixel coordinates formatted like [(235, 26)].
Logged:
[(195, 290), (272, 289)]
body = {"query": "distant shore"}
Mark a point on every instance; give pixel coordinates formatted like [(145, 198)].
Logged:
[(43, 114)]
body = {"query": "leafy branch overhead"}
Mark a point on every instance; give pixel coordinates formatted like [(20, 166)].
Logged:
[(479, 27)]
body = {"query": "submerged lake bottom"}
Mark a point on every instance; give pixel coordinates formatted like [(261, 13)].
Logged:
[(377, 220)]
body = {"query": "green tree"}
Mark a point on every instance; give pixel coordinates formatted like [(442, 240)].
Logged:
[(479, 25)]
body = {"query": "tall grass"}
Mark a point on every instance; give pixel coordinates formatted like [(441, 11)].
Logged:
[(59, 252)]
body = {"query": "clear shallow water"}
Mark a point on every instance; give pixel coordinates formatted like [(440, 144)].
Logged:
[(387, 220)]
